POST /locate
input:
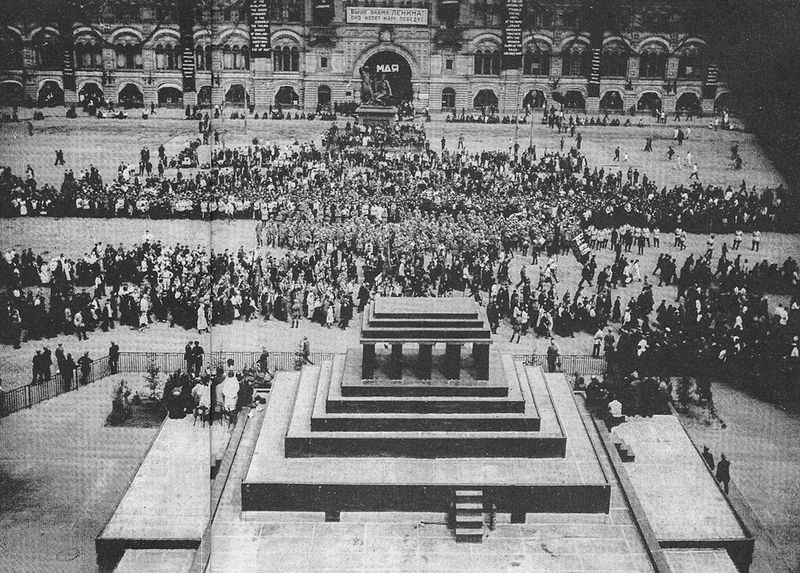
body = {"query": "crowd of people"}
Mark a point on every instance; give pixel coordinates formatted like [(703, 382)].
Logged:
[(405, 135), (355, 221)]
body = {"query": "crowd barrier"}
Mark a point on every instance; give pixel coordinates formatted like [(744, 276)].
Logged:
[(31, 394), (582, 364)]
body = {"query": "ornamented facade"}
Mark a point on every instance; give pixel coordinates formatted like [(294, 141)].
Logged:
[(445, 54)]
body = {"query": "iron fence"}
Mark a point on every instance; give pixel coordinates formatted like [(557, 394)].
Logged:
[(582, 364), (36, 392), (27, 396)]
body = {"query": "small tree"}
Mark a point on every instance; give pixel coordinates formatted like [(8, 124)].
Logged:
[(151, 379)]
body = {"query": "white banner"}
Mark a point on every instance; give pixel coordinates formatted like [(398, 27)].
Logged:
[(396, 16)]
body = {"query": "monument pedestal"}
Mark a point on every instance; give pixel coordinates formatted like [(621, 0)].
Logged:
[(376, 115)]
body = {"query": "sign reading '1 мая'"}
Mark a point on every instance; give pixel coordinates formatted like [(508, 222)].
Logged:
[(396, 16)]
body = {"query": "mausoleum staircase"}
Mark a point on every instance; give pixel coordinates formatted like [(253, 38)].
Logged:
[(468, 515)]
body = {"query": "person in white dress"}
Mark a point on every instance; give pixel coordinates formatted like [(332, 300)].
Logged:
[(202, 322)]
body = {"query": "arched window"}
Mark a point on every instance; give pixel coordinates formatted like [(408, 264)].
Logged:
[(536, 61), (575, 62), (323, 95), (287, 10), (209, 63), (286, 59), (129, 56), (173, 53), (237, 64), (692, 64), (487, 62), (227, 57), (160, 59), (47, 51), (652, 64), (200, 58), (245, 57), (448, 98), (88, 53), (10, 51), (614, 61)]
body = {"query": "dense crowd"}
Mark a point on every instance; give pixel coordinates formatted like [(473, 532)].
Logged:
[(406, 135), (356, 222)]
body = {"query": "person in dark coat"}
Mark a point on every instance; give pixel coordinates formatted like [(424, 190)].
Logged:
[(708, 457), (197, 358), (724, 472), (68, 372), (85, 364), (113, 357)]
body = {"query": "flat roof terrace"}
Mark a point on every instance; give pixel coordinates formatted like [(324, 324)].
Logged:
[(425, 307)]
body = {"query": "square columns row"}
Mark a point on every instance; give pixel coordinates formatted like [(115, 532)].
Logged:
[(452, 364)]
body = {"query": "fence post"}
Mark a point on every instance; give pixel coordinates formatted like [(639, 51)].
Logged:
[(30, 403)]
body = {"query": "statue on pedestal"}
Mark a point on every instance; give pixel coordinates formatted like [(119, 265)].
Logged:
[(374, 92)]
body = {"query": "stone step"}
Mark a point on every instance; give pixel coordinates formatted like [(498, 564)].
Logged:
[(425, 323), (424, 405), (429, 422), (469, 535), (460, 493), (424, 444), (434, 388), (469, 521), (469, 507)]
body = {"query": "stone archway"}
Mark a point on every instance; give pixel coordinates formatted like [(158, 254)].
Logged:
[(130, 96), (170, 96), (50, 94), (689, 101), (395, 69), (535, 99), (612, 102), (11, 93), (649, 101)]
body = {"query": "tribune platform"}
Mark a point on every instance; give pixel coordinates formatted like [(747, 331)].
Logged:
[(384, 438)]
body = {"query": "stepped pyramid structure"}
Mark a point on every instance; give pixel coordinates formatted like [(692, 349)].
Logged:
[(424, 417)]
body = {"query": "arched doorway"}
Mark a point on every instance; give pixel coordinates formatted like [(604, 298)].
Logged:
[(485, 99), (90, 92), (323, 96), (131, 96), (448, 98), (287, 97), (235, 94), (535, 99), (689, 101), (649, 101), (611, 102), (169, 96), (574, 99), (204, 97), (50, 95), (10, 94), (394, 68), (724, 102)]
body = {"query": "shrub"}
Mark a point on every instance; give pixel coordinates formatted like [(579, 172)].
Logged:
[(151, 379)]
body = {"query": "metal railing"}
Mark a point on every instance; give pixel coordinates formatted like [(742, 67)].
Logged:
[(26, 396), (31, 394), (583, 364)]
